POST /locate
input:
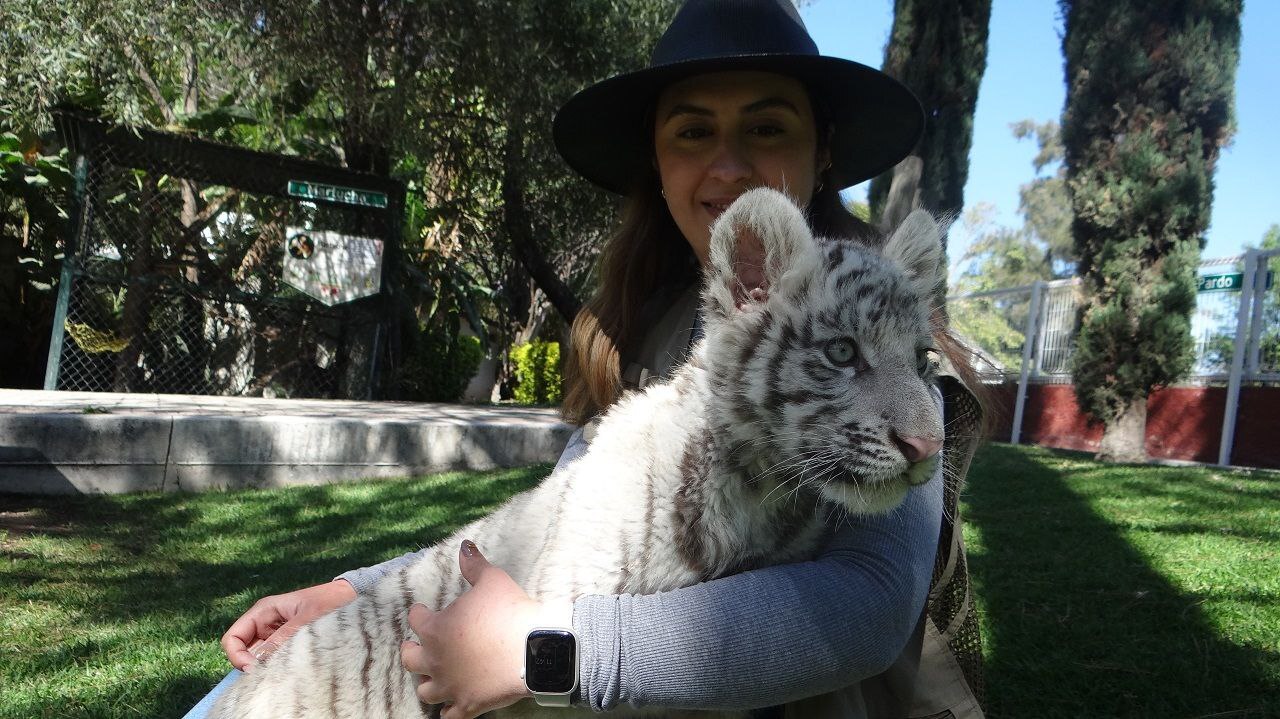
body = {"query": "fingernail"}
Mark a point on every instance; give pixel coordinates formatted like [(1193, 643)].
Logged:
[(469, 548), (263, 649)]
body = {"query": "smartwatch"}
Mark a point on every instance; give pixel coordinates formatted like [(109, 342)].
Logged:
[(551, 666)]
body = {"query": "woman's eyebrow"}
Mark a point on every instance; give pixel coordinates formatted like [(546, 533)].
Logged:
[(761, 104), (770, 102), (684, 109)]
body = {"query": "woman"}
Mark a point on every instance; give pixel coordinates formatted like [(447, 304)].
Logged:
[(736, 96)]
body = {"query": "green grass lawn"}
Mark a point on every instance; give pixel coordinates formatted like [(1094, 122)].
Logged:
[(113, 606), (1125, 591), (1104, 591)]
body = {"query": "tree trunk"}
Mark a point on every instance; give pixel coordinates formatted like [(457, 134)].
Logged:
[(938, 49), (1125, 439), (904, 193), (137, 299), (515, 222)]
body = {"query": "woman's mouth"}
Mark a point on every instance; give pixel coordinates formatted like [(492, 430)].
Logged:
[(715, 208)]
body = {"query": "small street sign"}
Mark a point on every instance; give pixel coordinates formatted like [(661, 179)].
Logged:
[(1228, 282), (333, 193)]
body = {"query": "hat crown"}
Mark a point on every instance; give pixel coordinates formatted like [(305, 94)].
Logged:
[(705, 29)]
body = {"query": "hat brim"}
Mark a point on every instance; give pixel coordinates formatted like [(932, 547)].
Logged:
[(876, 121)]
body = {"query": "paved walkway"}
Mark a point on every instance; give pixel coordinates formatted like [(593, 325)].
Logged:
[(70, 442)]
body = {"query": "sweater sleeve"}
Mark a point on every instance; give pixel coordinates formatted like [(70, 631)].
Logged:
[(772, 635), (363, 579)]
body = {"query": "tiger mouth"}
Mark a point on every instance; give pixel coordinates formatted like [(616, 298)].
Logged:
[(914, 475), (861, 479)]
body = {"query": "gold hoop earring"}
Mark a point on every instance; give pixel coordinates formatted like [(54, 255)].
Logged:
[(662, 191)]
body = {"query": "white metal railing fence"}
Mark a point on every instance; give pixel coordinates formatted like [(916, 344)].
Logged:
[(1236, 328)]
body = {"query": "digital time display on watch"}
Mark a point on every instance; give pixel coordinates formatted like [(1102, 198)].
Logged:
[(550, 661)]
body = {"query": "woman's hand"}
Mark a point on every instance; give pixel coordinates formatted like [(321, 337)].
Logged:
[(472, 652), (274, 619)]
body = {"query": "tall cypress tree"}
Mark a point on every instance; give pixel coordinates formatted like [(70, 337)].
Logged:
[(1149, 106), (938, 48)]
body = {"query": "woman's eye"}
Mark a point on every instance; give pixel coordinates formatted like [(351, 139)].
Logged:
[(693, 133), (766, 130), (842, 352)]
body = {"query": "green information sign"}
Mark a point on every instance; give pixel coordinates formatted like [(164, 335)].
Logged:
[(1228, 282), (332, 193)]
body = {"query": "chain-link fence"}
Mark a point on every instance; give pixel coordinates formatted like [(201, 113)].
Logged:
[(191, 266)]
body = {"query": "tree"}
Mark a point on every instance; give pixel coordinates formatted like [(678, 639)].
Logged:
[(1043, 202), (1000, 257), (1003, 258), (508, 207), (939, 51), (141, 61), (31, 210), (438, 93), (1149, 106)]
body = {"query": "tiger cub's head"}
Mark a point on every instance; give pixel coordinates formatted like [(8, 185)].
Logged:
[(821, 354)]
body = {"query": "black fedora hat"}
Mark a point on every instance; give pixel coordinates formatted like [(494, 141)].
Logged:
[(601, 130)]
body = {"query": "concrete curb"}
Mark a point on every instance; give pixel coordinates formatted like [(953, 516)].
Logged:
[(237, 445)]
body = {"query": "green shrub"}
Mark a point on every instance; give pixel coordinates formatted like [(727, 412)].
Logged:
[(440, 369), (537, 369)]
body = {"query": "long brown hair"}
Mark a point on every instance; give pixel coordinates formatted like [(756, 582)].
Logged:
[(645, 253)]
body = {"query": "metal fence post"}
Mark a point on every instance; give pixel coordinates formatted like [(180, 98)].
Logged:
[(69, 251), (1262, 265), (1028, 344), (1237, 357)]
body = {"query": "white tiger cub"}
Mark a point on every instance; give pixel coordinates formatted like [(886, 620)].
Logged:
[(812, 382)]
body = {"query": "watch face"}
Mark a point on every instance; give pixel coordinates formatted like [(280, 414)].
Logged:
[(550, 662)]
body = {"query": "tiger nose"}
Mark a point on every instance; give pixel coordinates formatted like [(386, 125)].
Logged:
[(916, 449)]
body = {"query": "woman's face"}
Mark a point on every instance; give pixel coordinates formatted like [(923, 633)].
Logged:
[(718, 135)]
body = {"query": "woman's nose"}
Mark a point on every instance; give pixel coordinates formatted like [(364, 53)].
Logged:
[(730, 164)]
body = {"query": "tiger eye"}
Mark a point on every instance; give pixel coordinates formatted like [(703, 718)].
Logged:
[(842, 352)]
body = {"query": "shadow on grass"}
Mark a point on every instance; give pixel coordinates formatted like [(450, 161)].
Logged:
[(1076, 622), (148, 573)]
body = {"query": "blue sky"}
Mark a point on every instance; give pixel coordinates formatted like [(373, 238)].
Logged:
[(1024, 79)]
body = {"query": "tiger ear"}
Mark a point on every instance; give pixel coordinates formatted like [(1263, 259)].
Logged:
[(917, 246), (757, 245)]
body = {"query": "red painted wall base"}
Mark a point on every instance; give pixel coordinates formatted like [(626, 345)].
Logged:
[(1182, 422)]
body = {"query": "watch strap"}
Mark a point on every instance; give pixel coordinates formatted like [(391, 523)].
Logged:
[(553, 700)]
